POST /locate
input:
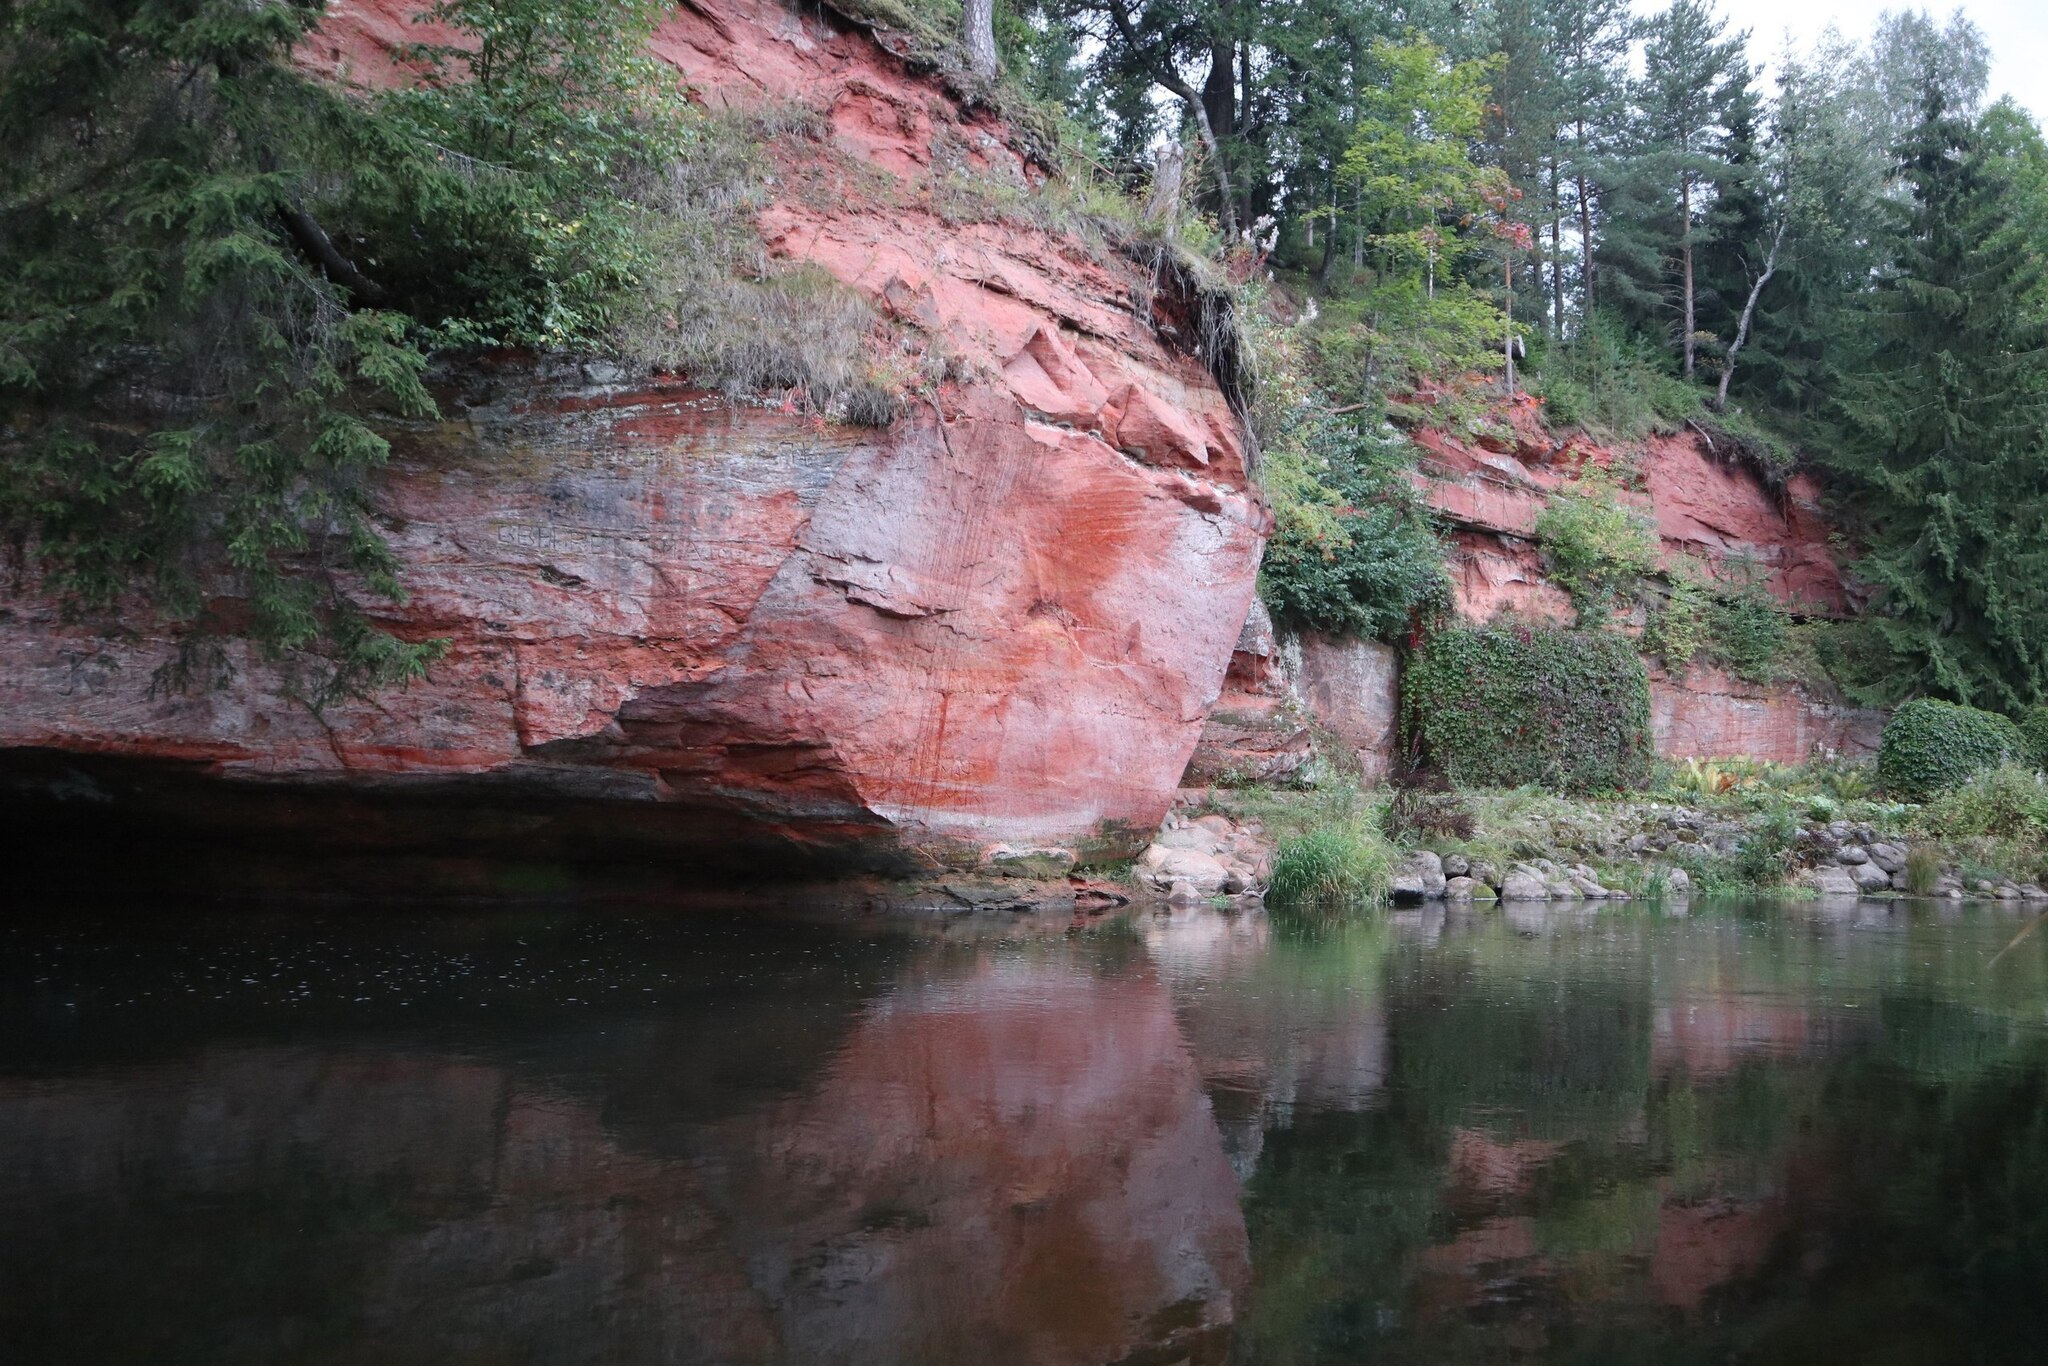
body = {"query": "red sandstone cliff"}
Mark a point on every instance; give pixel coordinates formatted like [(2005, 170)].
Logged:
[(1711, 511), (1003, 618), (1288, 694)]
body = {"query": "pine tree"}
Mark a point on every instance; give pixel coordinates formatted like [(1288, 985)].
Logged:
[(1830, 174), (1736, 235), (1523, 116), (1663, 187), (1591, 41), (1944, 459)]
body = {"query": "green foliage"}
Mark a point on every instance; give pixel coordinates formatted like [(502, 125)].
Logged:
[(1996, 821), (2006, 801), (1353, 551), (1930, 746), (220, 279), (1599, 547), (1923, 869), (1748, 627), (1764, 858), (1330, 845), (1419, 202), (1681, 628), (1612, 383), (1410, 155), (2033, 724), (1335, 864), (1943, 457), (1657, 198), (1508, 704), (191, 402), (1399, 332), (1741, 626), (551, 130)]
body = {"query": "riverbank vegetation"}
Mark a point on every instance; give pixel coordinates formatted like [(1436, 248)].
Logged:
[(1732, 828)]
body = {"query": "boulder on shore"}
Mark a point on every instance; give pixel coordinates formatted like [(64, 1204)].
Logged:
[(1419, 877)]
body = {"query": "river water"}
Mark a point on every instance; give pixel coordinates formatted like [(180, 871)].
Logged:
[(625, 1134)]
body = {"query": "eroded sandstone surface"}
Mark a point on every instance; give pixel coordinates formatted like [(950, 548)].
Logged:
[(1002, 618)]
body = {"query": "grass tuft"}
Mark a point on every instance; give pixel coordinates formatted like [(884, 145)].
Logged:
[(1333, 864)]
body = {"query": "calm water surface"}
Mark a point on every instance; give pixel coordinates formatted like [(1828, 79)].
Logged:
[(570, 1135)]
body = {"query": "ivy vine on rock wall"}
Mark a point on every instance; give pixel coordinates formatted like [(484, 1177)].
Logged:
[(1509, 703)]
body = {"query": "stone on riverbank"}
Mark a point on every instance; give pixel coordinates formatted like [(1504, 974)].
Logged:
[(1833, 880), (1194, 857), (1419, 877)]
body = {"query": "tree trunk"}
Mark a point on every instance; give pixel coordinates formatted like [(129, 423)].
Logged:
[(1224, 198), (1219, 90), (1164, 205), (1507, 348), (1685, 252), (1169, 80), (978, 36), (1556, 254), (1585, 226), (1748, 315), (1329, 242)]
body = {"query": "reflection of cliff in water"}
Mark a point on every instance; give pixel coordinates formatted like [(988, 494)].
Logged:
[(988, 1153), (1486, 1136)]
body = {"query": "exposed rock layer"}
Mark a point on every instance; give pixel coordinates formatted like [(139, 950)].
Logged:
[(1713, 516), (1002, 618)]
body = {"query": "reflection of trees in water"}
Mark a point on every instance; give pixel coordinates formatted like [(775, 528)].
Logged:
[(1609, 1138)]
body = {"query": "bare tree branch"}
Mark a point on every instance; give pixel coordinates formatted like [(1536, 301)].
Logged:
[(1748, 315), (313, 240), (1170, 81)]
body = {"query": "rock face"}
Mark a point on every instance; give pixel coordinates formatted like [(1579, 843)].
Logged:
[(1704, 504), (1709, 512), (1003, 618), (1281, 687), (1707, 713)]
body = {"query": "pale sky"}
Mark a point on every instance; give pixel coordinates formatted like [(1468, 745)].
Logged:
[(2017, 31)]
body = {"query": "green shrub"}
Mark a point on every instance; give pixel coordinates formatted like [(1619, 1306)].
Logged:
[(1747, 627), (1764, 857), (1612, 383), (2034, 730), (1391, 334), (1930, 746), (1995, 823), (2005, 802), (1599, 547), (1354, 551), (1509, 704), (1679, 629), (219, 277)]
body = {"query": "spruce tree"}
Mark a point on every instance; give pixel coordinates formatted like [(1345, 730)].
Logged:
[(1944, 459), (1663, 187), (1591, 41), (1736, 235)]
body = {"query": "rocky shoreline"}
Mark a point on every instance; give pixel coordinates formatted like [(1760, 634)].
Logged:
[(1584, 851)]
